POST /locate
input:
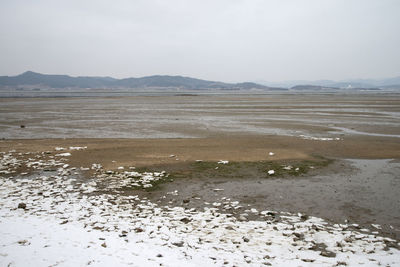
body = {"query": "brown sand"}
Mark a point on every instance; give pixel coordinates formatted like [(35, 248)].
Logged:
[(147, 152)]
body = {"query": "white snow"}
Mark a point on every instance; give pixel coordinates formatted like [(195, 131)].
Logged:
[(77, 147), (320, 138), (223, 162), (64, 224), (218, 189), (67, 154), (271, 172)]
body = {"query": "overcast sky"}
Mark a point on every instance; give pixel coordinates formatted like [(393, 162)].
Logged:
[(226, 40)]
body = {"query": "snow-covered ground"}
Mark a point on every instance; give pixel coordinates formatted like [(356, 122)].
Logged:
[(58, 219)]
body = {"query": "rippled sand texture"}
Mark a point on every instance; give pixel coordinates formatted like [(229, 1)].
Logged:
[(326, 116)]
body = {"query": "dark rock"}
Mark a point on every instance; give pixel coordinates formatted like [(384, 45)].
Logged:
[(186, 201), (298, 236), (24, 242), (138, 230), (185, 220), (178, 244), (304, 217), (327, 253), (245, 239), (22, 126), (104, 245), (159, 255), (49, 169), (323, 251), (22, 205), (123, 233)]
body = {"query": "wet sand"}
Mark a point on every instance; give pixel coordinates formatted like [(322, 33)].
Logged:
[(147, 152), (201, 116)]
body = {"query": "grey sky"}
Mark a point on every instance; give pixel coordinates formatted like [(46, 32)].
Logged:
[(226, 40)]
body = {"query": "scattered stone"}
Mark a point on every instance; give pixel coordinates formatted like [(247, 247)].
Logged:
[(178, 244), (327, 253), (22, 206), (111, 212), (298, 235), (24, 242), (304, 217), (185, 220)]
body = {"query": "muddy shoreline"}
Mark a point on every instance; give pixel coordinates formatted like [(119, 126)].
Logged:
[(362, 190)]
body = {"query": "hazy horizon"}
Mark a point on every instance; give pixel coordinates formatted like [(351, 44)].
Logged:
[(272, 83), (229, 41)]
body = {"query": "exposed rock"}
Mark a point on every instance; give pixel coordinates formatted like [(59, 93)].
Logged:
[(178, 244), (185, 220), (327, 253)]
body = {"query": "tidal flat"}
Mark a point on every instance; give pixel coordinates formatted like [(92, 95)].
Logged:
[(275, 179)]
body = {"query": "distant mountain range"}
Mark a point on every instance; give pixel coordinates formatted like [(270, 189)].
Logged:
[(389, 83), (31, 79)]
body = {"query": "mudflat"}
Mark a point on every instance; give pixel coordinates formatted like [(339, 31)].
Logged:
[(312, 115), (335, 157), (147, 152)]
